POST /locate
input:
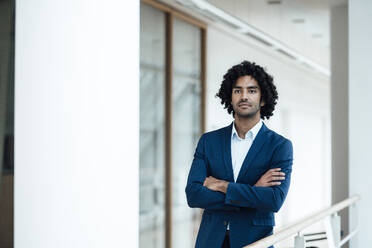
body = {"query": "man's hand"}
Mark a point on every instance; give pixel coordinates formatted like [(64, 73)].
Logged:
[(215, 184), (271, 175)]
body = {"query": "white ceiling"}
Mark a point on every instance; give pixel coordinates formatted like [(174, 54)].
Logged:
[(315, 13), (301, 25)]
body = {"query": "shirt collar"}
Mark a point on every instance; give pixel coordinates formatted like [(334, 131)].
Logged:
[(251, 133)]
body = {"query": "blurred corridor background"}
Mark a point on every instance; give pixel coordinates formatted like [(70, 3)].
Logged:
[(102, 105), (184, 52)]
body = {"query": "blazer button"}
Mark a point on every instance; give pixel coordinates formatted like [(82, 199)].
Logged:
[(225, 223)]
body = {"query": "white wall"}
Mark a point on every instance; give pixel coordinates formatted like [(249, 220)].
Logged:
[(302, 114), (360, 116), (76, 124)]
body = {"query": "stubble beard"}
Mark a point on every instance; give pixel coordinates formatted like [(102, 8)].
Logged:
[(249, 115)]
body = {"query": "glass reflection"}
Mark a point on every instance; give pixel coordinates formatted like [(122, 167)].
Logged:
[(186, 127), (152, 71)]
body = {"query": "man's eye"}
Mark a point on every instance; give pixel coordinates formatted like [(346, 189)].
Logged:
[(236, 91), (252, 91)]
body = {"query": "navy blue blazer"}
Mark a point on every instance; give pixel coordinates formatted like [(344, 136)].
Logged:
[(248, 209)]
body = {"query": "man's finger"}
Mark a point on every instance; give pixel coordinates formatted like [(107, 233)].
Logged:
[(274, 183), (277, 178), (278, 173), (273, 170), (205, 182), (209, 179)]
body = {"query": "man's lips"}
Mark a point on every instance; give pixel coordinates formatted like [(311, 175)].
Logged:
[(244, 105)]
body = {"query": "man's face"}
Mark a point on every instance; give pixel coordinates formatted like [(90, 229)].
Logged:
[(245, 99)]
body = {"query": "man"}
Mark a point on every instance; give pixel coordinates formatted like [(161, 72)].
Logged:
[(240, 174)]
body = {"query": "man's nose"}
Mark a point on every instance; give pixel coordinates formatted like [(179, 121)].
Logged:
[(245, 95)]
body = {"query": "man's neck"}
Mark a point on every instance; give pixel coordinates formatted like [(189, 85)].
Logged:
[(243, 125)]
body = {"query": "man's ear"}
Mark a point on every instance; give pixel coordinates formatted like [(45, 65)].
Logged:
[(262, 103)]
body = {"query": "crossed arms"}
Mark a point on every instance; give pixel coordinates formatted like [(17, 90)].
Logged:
[(215, 194)]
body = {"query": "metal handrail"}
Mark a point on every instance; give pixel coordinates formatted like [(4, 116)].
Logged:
[(296, 227)]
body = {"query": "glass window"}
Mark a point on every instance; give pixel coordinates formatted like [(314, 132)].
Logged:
[(185, 130), (186, 127), (152, 127)]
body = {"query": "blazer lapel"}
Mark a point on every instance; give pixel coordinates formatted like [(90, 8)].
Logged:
[(226, 151), (256, 146)]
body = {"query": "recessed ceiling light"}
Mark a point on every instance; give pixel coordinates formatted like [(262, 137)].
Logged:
[(317, 35), (298, 20), (274, 2)]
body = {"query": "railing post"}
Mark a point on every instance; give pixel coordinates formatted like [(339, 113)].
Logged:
[(299, 241), (333, 228), (353, 213)]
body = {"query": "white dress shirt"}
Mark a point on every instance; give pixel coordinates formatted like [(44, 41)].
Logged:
[(240, 148)]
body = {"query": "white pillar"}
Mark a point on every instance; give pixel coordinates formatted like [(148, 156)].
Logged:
[(76, 124), (360, 116)]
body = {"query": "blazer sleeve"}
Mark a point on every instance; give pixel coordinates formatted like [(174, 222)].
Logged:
[(265, 198), (197, 195)]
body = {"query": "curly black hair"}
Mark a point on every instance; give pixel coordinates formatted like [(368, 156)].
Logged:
[(269, 93)]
